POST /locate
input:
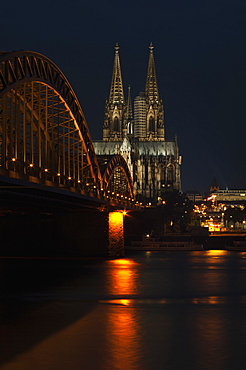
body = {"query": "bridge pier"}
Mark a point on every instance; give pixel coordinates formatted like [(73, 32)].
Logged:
[(116, 234), (85, 233)]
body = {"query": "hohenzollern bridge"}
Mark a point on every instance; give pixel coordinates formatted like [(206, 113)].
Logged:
[(47, 159)]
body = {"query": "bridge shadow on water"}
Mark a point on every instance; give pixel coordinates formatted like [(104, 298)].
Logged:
[(34, 301)]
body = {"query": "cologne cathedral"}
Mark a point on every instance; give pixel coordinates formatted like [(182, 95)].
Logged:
[(138, 134)]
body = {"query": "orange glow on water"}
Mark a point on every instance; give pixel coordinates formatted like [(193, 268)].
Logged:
[(123, 262), (123, 330), (216, 253), (122, 278)]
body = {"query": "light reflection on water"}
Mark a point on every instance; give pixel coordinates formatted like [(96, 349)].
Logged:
[(149, 311), (122, 329)]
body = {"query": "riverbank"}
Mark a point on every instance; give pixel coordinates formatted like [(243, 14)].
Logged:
[(215, 241)]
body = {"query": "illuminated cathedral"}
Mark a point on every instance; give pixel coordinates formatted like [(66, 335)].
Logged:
[(138, 134)]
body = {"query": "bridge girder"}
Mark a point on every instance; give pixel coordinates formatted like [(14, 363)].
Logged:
[(116, 176)]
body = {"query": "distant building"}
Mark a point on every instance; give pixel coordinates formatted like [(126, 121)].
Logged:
[(154, 162), (229, 196), (194, 195)]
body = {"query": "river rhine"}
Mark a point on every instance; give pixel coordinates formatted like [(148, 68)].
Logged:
[(150, 310)]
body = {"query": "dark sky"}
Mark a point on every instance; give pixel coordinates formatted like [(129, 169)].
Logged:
[(200, 55)]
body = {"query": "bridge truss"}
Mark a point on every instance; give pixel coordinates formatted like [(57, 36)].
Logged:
[(44, 137)]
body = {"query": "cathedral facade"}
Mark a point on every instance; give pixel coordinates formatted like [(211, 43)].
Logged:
[(139, 136)]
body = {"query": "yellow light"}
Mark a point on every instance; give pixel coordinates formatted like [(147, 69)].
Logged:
[(69, 178), (79, 181), (125, 302), (46, 170), (13, 159), (115, 217), (58, 174), (116, 230), (31, 165), (124, 213)]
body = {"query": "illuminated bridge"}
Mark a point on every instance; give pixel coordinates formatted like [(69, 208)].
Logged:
[(46, 151)]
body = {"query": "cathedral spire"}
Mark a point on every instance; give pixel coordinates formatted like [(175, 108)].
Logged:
[(129, 116), (151, 89), (116, 95), (154, 106), (114, 127)]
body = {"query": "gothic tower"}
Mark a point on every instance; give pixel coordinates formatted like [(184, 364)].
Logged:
[(148, 107), (128, 114), (115, 125), (155, 110)]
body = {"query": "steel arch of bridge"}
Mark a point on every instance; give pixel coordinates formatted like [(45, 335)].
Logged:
[(43, 132), (113, 177)]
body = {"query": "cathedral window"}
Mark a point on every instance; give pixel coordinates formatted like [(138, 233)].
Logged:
[(151, 124), (153, 171), (170, 174), (116, 124), (162, 173), (129, 128)]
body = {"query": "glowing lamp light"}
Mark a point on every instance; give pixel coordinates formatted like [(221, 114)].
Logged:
[(115, 217), (31, 165), (79, 181), (58, 174), (46, 170), (13, 159), (69, 178), (116, 233)]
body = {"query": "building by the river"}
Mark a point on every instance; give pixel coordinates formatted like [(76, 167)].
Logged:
[(138, 134)]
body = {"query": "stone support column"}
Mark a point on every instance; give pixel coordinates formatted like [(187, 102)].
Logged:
[(116, 234)]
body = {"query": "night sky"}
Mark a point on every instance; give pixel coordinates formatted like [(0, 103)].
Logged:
[(200, 55)]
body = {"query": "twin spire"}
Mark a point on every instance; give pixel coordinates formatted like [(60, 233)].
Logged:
[(149, 111), (116, 90)]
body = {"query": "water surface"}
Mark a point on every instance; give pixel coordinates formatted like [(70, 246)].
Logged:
[(150, 310)]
